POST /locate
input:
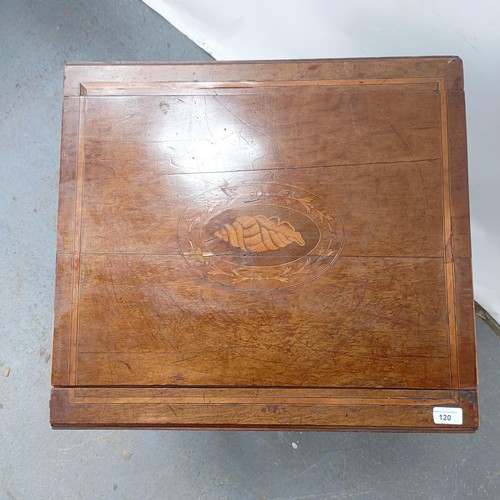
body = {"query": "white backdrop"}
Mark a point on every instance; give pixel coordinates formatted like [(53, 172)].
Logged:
[(289, 29)]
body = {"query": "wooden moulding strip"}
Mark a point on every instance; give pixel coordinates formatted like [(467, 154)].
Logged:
[(264, 410), (448, 241), (447, 67), (77, 242), (61, 327)]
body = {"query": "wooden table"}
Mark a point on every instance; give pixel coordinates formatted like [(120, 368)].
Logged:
[(266, 245)]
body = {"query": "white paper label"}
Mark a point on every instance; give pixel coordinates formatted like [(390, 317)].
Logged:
[(445, 415)]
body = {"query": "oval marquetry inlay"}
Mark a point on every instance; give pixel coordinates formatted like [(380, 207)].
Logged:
[(260, 236)]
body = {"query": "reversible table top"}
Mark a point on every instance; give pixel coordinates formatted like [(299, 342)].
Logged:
[(275, 245)]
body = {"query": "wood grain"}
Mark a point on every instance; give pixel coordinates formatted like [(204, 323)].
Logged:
[(296, 128), (403, 201), (143, 311), (263, 409), (459, 186), (449, 68), (67, 176), (62, 323), (275, 245)]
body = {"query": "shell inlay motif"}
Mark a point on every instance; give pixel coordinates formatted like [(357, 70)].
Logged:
[(259, 234)]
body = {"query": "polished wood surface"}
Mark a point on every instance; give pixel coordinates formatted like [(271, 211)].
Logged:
[(264, 245)]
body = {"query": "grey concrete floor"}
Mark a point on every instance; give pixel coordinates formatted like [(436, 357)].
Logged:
[(36, 38)]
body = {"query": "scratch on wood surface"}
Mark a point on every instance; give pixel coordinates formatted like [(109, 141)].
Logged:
[(127, 365), (403, 142), (248, 124), (448, 251), (206, 119), (352, 115), (113, 283), (424, 189)]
